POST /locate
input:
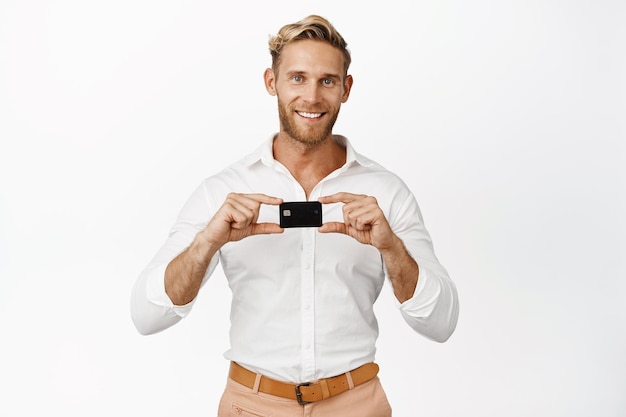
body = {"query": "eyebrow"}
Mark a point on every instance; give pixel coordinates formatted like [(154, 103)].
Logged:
[(325, 75)]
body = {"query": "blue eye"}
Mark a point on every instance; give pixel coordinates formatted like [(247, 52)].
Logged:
[(328, 82), (297, 78)]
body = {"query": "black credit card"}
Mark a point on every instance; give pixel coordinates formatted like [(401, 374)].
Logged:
[(301, 214)]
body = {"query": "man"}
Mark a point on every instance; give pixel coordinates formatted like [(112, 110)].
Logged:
[(303, 330)]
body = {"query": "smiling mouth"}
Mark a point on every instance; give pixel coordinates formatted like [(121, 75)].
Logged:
[(308, 115)]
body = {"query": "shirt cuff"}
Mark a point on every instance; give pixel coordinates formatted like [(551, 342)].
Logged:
[(424, 298), (155, 292)]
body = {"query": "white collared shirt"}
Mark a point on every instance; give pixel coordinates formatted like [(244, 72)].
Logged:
[(302, 305)]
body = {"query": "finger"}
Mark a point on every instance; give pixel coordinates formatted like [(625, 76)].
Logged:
[(253, 200), (239, 212), (241, 219), (264, 199), (360, 217), (340, 198), (248, 205), (266, 229), (333, 227), (337, 227)]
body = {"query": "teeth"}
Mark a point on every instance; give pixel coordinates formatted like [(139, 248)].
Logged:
[(309, 115)]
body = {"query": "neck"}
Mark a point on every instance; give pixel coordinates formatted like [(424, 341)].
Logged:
[(309, 164)]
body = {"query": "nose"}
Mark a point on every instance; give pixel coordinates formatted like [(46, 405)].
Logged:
[(312, 93)]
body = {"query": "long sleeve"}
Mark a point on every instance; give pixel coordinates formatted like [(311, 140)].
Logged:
[(434, 308), (151, 309)]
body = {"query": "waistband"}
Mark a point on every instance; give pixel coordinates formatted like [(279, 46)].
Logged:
[(306, 392)]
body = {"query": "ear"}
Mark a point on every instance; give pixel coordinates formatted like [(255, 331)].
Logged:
[(270, 81), (347, 86)]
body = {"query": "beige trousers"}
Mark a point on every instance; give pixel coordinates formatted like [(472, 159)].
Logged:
[(366, 400)]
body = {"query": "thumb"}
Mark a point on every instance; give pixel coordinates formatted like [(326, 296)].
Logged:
[(266, 229), (332, 227)]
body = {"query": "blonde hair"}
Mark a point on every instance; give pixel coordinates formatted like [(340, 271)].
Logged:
[(311, 27)]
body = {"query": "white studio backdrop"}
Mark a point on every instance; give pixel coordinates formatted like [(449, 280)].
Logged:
[(506, 118)]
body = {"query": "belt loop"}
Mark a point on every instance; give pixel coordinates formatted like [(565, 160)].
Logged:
[(350, 382), (257, 383), (325, 390)]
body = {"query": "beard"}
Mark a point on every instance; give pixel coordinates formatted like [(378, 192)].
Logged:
[(310, 136)]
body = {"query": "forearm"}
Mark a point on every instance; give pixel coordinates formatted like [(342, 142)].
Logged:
[(152, 309), (402, 270), (184, 274), (150, 317), (434, 309)]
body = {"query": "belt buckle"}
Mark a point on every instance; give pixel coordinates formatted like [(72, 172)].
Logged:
[(299, 394)]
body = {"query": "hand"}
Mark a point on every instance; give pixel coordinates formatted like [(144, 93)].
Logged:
[(363, 220), (237, 219)]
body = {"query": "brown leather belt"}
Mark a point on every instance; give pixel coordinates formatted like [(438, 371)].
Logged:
[(308, 392)]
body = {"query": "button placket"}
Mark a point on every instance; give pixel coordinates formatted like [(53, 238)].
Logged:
[(308, 303)]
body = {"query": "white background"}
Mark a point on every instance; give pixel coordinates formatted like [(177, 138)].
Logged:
[(506, 118)]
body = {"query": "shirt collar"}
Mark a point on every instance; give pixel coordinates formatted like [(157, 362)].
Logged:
[(265, 154)]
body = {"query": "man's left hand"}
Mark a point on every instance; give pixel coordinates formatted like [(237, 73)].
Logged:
[(363, 220)]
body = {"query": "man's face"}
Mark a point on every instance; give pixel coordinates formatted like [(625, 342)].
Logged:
[(310, 87)]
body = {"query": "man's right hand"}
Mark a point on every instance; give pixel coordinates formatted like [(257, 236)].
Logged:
[(237, 219)]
